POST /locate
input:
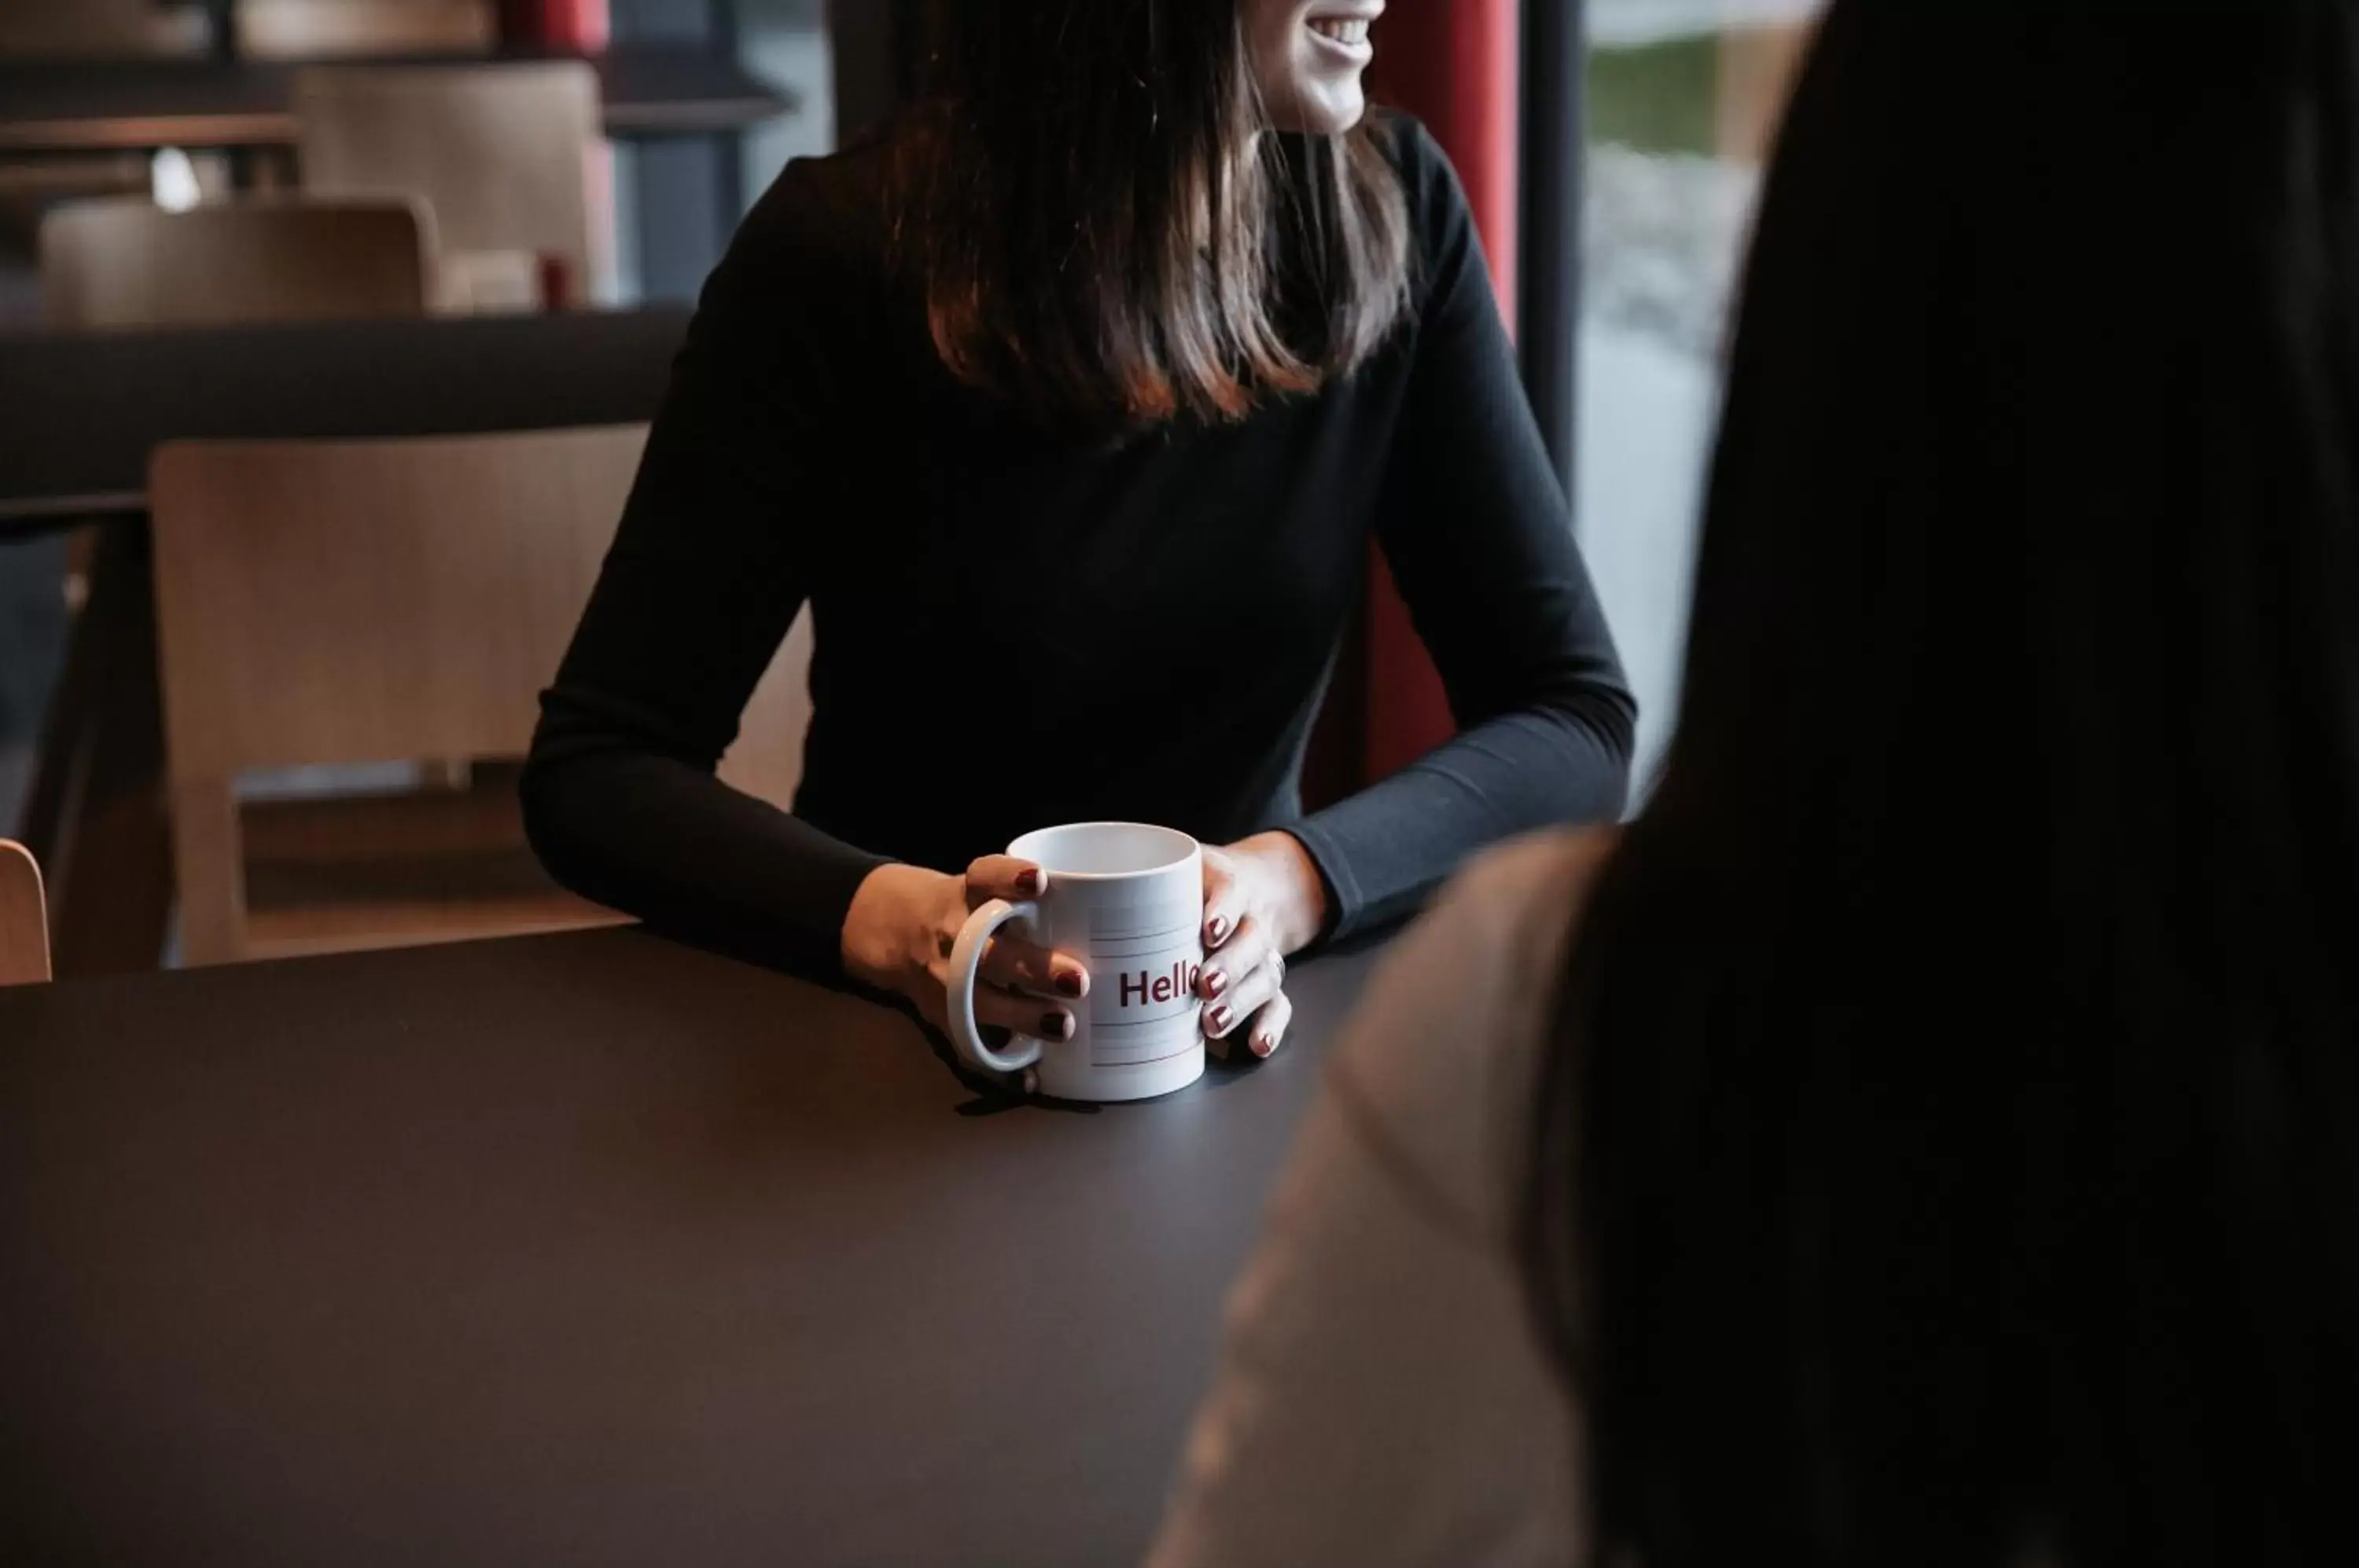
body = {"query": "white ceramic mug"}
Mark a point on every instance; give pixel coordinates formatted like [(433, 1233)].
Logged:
[(1127, 902)]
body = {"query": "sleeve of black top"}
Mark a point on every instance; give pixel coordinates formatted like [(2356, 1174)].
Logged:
[(1478, 535), (709, 568)]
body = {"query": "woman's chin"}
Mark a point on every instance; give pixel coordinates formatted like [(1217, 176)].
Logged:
[(1323, 109)]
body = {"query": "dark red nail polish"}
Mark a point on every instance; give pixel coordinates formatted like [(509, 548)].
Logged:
[(1028, 882), (1220, 928), (947, 943), (1069, 983), (1221, 1019), (1215, 982), (1263, 1045), (1055, 1025)]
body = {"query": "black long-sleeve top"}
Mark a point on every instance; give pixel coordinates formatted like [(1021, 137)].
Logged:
[(1015, 631)]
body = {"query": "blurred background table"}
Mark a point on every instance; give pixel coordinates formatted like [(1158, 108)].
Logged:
[(593, 1249), (115, 106)]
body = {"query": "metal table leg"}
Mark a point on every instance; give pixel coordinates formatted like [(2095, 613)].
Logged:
[(96, 816)]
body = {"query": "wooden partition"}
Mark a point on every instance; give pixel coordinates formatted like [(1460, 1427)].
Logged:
[(337, 603)]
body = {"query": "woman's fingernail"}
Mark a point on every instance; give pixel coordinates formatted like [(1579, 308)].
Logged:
[(1215, 982), (1055, 1025), (1028, 882), (1071, 982), (946, 943), (1263, 1045), (1220, 1019), (1217, 930)]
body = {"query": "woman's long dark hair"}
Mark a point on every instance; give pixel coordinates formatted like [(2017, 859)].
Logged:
[(1100, 228), (1950, 1146)]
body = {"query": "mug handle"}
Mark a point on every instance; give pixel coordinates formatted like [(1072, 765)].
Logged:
[(966, 957)]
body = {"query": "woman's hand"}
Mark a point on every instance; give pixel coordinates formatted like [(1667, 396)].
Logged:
[(904, 921), (1263, 900)]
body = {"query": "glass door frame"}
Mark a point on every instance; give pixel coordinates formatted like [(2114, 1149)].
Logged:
[(1552, 145)]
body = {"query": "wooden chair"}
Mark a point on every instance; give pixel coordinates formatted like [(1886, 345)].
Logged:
[(338, 604), (509, 156), (24, 918), (125, 262), (349, 29)]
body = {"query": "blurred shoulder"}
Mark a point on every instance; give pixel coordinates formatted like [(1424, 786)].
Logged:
[(1440, 1058), (831, 213), (1537, 869), (1496, 937)]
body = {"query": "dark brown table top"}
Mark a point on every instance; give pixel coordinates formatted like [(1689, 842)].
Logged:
[(84, 410), (60, 106), (593, 1250)]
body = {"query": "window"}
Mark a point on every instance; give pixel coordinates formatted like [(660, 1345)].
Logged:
[(1684, 97)]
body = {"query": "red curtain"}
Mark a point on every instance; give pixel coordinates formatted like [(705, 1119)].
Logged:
[(1452, 63)]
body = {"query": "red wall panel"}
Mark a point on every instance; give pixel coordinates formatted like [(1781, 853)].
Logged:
[(1452, 63)]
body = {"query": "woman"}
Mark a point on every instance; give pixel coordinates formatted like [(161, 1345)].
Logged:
[(1070, 409), (1938, 1142)]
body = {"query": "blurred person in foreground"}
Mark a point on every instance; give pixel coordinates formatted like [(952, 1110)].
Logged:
[(1929, 1135), (1071, 408)]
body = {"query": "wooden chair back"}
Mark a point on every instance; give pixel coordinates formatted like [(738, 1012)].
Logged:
[(351, 29), (24, 918), (334, 603), (126, 262), (506, 155)]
